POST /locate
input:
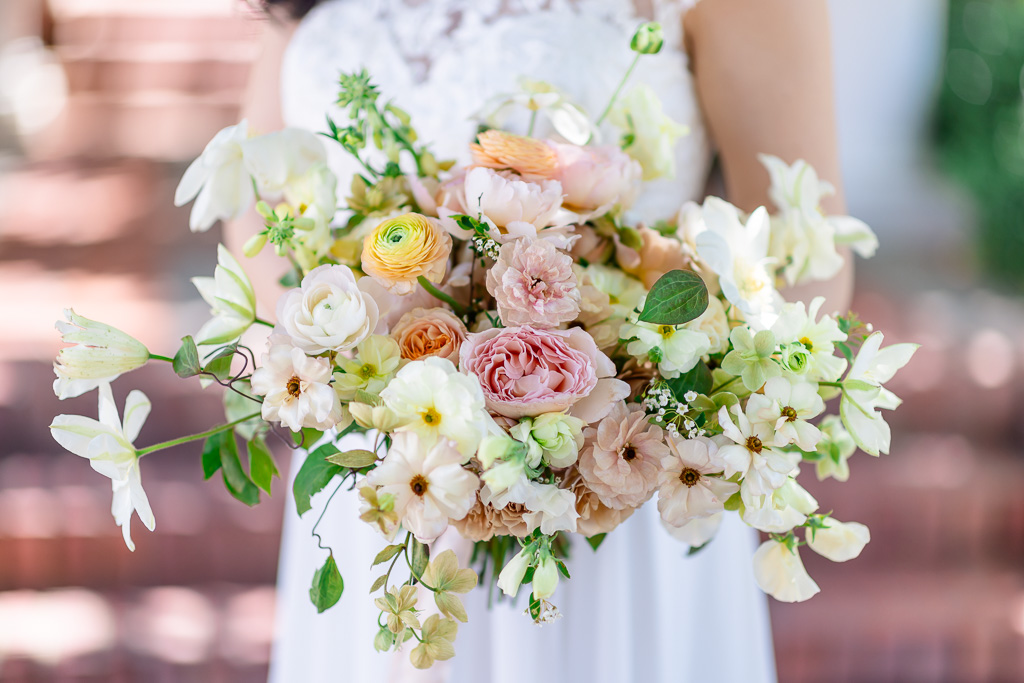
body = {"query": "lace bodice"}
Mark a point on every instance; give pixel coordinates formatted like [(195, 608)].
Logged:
[(440, 60)]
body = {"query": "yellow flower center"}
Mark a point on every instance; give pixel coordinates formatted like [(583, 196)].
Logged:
[(666, 331), (690, 477), (754, 444), (367, 371), (807, 343), (419, 485), (294, 386), (432, 417)]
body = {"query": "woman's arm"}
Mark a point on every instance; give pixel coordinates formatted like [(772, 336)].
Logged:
[(764, 77), (262, 107)]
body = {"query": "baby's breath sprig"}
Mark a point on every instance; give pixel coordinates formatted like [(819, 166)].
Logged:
[(667, 411)]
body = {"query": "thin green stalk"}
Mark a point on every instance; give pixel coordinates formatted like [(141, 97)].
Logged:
[(723, 385), (194, 437), (438, 294), (260, 321), (156, 356), (533, 122), (615, 94)]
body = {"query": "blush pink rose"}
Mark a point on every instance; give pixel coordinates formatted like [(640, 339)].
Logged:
[(533, 284), (524, 372), (596, 178)]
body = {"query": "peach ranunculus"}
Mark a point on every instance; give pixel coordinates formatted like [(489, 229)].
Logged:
[(597, 178), (657, 256), (525, 372), (429, 332), (513, 207), (402, 249), (621, 459), (595, 517), (526, 156), (533, 284)]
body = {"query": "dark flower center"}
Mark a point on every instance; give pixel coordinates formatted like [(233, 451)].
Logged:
[(294, 386), (754, 444), (629, 453), (789, 414), (419, 485), (690, 477)]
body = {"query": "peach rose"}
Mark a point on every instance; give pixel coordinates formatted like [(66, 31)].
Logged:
[(429, 332), (402, 249)]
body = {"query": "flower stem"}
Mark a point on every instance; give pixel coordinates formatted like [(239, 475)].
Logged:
[(261, 321), (438, 294), (156, 356), (615, 94), (194, 437), (533, 122), (722, 386)]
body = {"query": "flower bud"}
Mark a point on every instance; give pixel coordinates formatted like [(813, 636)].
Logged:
[(648, 39), (511, 577), (100, 353), (495, 447), (780, 573), (545, 579), (839, 541), (796, 358), (254, 244)]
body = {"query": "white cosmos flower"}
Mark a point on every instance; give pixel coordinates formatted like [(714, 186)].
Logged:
[(797, 323), (688, 487), (433, 399), (738, 254), (864, 395), (780, 510), (429, 484), (841, 541), (99, 355), (108, 444), (230, 294), (329, 311), (676, 349), (780, 573), (751, 454), (296, 389), (220, 179), (786, 406)]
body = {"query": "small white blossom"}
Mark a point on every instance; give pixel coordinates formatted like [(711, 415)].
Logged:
[(780, 573), (220, 179), (840, 541), (296, 389), (99, 355), (230, 294), (762, 467), (786, 407)]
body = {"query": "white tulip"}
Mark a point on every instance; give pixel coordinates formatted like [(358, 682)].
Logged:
[(231, 296), (220, 179), (107, 443), (545, 579), (780, 573), (511, 577), (841, 541), (99, 355)]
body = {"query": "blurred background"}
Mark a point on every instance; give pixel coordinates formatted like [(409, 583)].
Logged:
[(103, 103)]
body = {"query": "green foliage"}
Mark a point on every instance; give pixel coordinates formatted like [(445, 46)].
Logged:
[(262, 468), (388, 553), (327, 585), (355, 459), (979, 125), (220, 452), (186, 360), (219, 364), (698, 379), (316, 472), (596, 540), (419, 556), (677, 297)]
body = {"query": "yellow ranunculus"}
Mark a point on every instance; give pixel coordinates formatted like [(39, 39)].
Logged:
[(401, 249)]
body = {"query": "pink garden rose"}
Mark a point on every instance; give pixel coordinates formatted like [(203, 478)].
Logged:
[(533, 284), (596, 178), (526, 372)]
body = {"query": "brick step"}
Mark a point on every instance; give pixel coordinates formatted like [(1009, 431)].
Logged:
[(199, 75), (96, 31)]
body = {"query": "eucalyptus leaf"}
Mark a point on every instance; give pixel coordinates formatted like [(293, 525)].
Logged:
[(677, 297), (387, 554), (186, 360), (327, 585), (262, 468), (354, 459), (313, 476)]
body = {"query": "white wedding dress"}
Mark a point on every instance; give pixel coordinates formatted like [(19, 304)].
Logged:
[(638, 609)]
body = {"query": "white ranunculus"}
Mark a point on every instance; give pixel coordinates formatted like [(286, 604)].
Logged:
[(220, 179), (511, 576), (651, 133), (429, 484), (108, 444), (864, 395), (550, 508), (841, 541), (296, 389), (556, 437), (738, 254), (99, 355), (433, 399), (230, 294), (780, 573), (545, 578), (329, 311)]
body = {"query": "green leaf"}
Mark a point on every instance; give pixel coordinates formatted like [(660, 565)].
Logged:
[(220, 364), (307, 438), (354, 460), (419, 556), (698, 379), (387, 554), (313, 476), (262, 468), (596, 540), (534, 607), (237, 406), (235, 479), (563, 570), (694, 549), (186, 360), (211, 455), (733, 502), (327, 585), (379, 583), (677, 297)]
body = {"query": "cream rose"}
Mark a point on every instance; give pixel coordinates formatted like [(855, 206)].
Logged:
[(329, 311)]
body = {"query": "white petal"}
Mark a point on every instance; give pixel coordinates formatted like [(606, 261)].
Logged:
[(136, 410), (781, 574), (74, 432), (840, 541)]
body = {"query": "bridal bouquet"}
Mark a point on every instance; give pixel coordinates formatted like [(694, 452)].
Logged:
[(526, 363)]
